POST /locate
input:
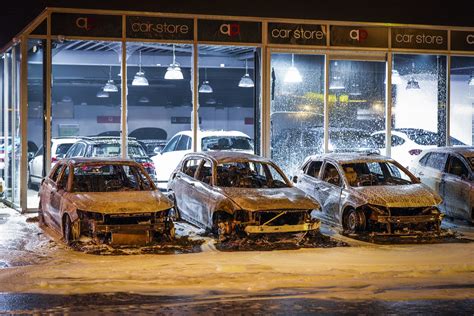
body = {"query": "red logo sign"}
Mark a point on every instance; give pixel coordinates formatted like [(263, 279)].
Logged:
[(85, 23), (359, 35), (232, 29)]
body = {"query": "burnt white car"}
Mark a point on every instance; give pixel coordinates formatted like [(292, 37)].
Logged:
[(449, 171), (229, 192), (370, 193)]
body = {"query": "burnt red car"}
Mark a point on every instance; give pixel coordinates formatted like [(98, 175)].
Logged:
[(111, 200)]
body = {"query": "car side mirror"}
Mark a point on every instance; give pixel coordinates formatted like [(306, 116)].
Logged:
[(295, 179)]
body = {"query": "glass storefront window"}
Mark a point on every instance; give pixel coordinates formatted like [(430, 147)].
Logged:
[(356, 105), (160, 104), (418, 105), (228, 94), (35, 119), (297, 103), (86, 95), (462, 101)]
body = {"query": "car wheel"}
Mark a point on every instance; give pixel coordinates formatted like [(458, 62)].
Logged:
[(354, 221), (71, 230)]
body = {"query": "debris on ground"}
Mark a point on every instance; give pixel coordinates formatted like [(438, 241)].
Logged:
[(279, 242), (177, 246), (445, 236)]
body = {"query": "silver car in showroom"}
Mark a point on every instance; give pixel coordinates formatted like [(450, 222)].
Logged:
[(369, 193), (230, 192), (449, 171)]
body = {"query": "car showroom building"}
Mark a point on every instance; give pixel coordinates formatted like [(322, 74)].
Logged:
[(293, 85)]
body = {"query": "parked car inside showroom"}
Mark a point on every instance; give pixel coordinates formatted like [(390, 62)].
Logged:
[(181, 144), (408, 143), (106, 147), (111, 200), (449, 171), (364, 193), (59, 148), (229, 192)]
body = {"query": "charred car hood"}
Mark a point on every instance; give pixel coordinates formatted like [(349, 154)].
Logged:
[(413, 195), (120, 202), (271, 199)]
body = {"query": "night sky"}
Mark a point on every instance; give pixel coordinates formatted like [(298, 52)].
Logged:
[(16, 14)]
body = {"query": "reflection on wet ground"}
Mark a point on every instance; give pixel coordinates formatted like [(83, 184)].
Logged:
[(222, 305)]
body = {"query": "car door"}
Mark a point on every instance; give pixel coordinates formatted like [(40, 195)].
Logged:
[(56, 194), (309, 178), (48, 196), (329, 189), (205, 201), (455, 188), (183, 186)]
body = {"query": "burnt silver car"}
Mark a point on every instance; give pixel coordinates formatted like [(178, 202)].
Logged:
[(369, 193), (449, 171), (230, 192)]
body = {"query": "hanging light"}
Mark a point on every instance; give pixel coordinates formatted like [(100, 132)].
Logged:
[(144, 100), (336, 82), (140, 79), (205, 86), (293, 75), (246, 81), (412, 83), (110, 85), (173, 72), (471, 80), (102, 94)]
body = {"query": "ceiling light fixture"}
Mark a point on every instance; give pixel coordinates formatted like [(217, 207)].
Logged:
[(173, 72), (205, 86), (110, 85), (293, 75), (246, 81), (102, 94), (412, 83), (140, 79)]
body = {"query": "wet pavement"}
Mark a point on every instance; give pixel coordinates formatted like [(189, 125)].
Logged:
[(39, 274), (109, 303)]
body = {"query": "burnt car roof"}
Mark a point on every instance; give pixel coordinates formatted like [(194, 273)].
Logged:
[(350, 157), (224, 156), (94, 160), (462, 150)]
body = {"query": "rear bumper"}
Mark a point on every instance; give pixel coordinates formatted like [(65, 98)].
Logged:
[(266, 229)]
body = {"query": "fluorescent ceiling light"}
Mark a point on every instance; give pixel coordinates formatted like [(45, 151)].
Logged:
[(140, 79), (173, 72), (246, 81), (293, 74)]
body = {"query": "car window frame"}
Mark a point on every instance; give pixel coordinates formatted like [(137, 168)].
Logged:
[(181, 169), (462, 160), (445, 161), (186, 139), (177, 137), (309, 165), (341, 180), (198, 170)]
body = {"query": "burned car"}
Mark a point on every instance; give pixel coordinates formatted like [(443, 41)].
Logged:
[(111, 200), (230, 192), (370, 193), (450, 172)]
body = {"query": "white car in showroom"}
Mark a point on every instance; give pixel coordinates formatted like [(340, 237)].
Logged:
[(181, 144), (408, 143), (59, 148)]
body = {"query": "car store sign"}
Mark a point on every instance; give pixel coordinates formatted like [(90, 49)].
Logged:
[(90, 25), (297, 34), (419, 38), (160, 28), (229, 31), (461, 40), (358, 36)]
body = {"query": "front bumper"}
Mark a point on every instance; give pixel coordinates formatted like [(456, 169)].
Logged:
[(416, 219), (266, 229), (133, 234)]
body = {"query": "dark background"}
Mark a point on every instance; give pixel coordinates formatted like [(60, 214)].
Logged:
[(16, 14)]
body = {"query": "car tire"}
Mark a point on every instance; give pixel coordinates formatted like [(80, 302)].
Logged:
[(354, 221), (71, 231)]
